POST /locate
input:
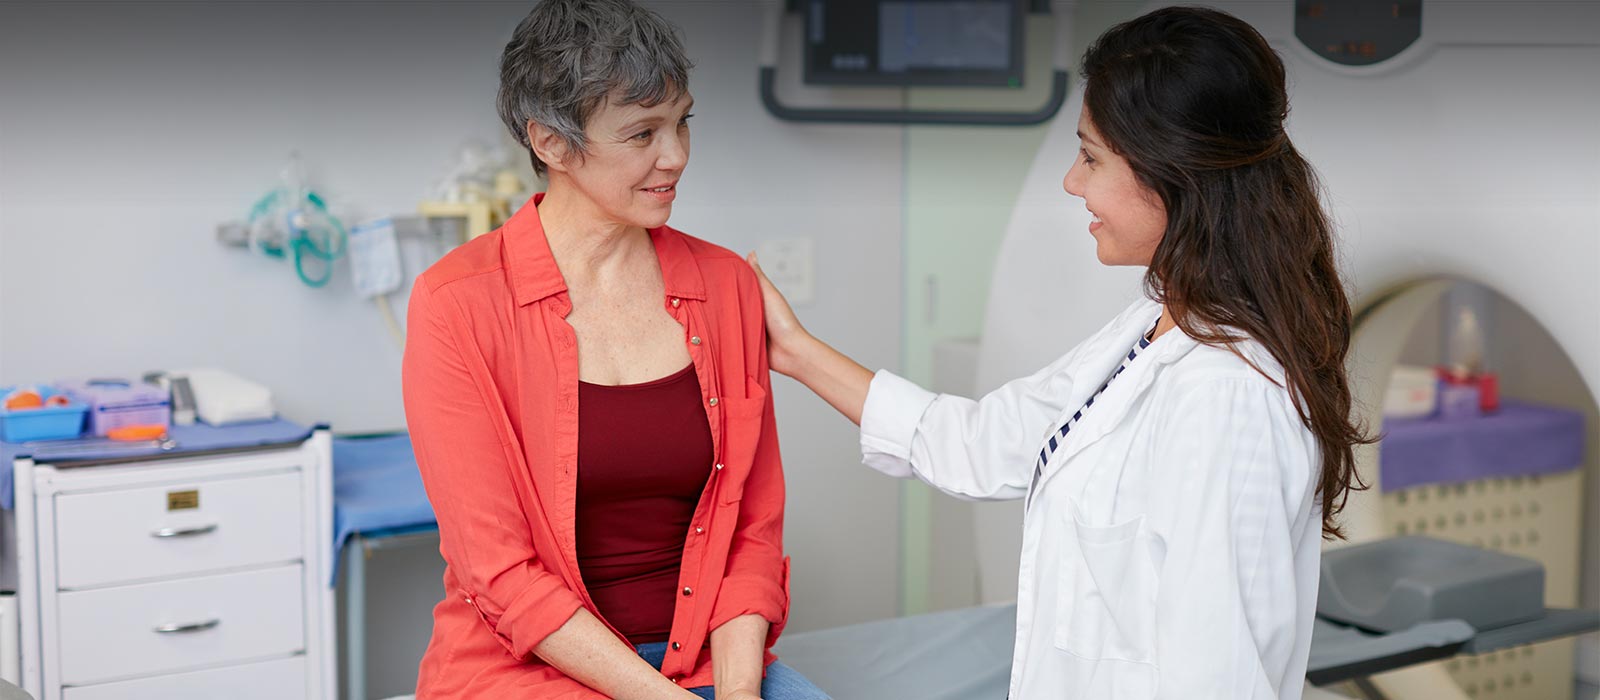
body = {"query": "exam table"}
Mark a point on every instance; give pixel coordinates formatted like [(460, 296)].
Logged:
[(962, 654), (965, 654)]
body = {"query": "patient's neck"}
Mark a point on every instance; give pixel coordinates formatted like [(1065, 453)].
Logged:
[(584, 243)]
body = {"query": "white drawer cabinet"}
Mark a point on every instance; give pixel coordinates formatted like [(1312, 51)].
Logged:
[(182, 577), (128, 535), (180, 624), (267, 680)]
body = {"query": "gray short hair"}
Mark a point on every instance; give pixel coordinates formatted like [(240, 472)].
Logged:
[(568, 56)]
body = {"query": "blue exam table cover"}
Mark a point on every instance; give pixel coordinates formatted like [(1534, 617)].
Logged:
[(188, 438), (376, 488)]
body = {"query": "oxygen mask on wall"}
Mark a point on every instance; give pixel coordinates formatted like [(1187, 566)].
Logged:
[(292, 222)]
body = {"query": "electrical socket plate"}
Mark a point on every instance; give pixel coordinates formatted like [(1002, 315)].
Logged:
[(788, 262)]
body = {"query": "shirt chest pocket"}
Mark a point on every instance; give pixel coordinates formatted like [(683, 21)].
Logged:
[(742, 427), (1108, 581)]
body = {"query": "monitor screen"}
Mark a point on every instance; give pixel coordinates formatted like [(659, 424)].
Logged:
[(914, 42)]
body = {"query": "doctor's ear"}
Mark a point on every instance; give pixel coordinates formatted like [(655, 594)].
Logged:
[(549, 146)]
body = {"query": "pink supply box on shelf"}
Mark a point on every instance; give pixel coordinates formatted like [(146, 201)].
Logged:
[(118, 403)]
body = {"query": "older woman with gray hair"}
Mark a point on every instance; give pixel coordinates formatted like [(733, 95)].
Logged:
[(587, 393)]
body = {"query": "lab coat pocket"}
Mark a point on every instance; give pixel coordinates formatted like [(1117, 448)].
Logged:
[(1106, 608), (742, 427)]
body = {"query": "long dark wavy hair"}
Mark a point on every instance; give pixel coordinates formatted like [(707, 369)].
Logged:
[(1195, 100)]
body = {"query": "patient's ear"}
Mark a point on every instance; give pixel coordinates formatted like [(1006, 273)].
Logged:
[(549, 146)]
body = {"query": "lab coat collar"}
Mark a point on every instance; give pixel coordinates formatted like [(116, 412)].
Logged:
[(534, 275), (1137, 320), (1103, 357)]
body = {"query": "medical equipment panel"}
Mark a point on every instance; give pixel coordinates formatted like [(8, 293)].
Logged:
[(914, 42), (1357, 32), (848, 49)]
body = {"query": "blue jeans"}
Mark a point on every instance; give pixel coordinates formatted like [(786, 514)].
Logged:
[(781, 682)]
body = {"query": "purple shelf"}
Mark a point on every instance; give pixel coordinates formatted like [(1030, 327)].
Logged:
[(1520, 439)]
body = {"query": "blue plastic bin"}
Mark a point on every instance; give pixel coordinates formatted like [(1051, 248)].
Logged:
[(47, 423)]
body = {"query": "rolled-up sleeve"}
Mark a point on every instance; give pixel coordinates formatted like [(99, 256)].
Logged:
[(889, 422), (466, 455)]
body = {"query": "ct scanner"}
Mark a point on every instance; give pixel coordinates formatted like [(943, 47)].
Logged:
[(1474, 154)]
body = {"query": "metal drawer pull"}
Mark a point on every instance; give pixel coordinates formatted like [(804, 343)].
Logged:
[(174, 628), (184, 531)]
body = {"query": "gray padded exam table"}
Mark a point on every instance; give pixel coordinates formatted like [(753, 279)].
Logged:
[(966, 654)]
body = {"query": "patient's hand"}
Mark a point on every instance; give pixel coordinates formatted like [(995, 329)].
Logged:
[(739, 695), (785, 335)]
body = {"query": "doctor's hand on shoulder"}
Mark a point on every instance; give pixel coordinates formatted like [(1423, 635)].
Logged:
[(794, 352), (785, 336)]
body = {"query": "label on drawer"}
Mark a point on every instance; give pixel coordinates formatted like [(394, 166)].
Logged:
[(147, 629), (183, 500), (142, 534)]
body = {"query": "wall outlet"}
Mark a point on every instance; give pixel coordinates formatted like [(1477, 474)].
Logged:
[(788, 262)]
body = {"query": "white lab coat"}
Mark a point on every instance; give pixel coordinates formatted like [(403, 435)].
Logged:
[(1171, 547)]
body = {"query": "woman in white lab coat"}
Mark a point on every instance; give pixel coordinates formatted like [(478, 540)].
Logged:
[(1182, 465)]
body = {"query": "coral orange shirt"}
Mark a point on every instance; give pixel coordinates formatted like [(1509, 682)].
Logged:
[(491, 392)]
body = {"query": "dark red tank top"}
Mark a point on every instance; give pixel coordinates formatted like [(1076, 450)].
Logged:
[(644, 455)]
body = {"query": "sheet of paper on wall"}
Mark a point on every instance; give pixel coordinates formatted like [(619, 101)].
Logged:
[(375, 258), (223, 398)]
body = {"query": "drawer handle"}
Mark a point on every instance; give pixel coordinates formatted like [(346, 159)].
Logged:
[(174, 628), (184, 531)]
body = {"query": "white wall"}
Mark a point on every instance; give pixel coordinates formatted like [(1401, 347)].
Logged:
[(128, 130)]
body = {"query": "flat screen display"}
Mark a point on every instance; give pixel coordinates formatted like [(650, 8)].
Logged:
[(914, 42)]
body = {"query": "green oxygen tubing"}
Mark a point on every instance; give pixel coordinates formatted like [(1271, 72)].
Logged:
[(293, 222)]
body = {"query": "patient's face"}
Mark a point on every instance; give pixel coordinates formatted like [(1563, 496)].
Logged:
[(1129, 218), (635, 157)]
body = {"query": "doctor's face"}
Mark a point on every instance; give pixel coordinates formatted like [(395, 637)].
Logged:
[(1129, 219)]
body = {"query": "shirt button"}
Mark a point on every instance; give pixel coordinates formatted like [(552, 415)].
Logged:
[(713, 401), (694, 340), (676, 646), (699, 530), (719, 467), (687, 591), (675, 302)]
